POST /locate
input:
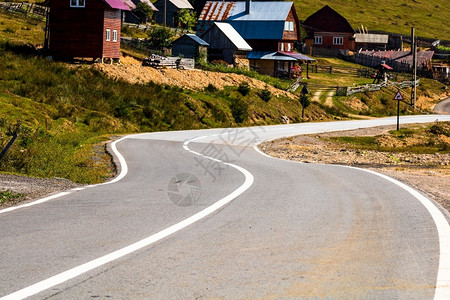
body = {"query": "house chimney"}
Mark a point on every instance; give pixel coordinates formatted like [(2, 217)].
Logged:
[(248, 4)]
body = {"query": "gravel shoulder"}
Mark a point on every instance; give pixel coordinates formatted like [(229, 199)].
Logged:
[(32, 188), (428, 173)]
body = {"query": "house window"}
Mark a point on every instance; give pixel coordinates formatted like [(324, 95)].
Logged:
[(338, 40), (288, 47), (114, 35), (77, 3), (289, 26), (108, 35), (318, 40), (282, 47)]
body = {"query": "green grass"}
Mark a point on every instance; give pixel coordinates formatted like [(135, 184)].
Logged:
[(19, 29), (430, 18), (51, 146), (283, 84), (7, 195)]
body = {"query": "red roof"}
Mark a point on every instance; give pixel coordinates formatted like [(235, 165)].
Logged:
[(327, 19)]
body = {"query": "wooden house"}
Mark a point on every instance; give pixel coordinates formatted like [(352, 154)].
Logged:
[(328, 32), (270, 28), (189, 46), (264, 25), (226, 44), (170, 9), (84, 28)]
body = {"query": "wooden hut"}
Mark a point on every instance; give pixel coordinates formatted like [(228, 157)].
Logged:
[(225, 44), (189, 46), (84, 28)]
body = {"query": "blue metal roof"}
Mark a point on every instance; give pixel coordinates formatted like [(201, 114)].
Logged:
[(197, 39), (267, 30)]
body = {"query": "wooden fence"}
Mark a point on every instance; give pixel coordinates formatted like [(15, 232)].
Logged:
[(26, 9)]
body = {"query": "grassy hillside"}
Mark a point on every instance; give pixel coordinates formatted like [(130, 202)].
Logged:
[(429, 17)]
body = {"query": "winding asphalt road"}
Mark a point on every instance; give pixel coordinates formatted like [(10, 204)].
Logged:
[(443, 106), (203, 214)]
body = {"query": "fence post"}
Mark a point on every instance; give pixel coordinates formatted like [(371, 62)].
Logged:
[(9, 145)]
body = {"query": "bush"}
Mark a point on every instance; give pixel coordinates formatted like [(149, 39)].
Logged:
[(440, 129), (211, 89), (244, 88), (265, 95), (239, 110), (160, 37)]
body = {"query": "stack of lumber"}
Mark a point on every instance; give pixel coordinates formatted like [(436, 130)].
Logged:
[(157, 61)]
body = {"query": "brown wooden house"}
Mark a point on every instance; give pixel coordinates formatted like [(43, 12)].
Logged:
[(328, 31), (84, 28)]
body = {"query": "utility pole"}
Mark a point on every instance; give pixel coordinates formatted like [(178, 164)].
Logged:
[(165, 13), (414, 79)]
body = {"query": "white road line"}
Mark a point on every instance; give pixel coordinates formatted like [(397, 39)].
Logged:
[(442, 291), (77, 271), (34, 202), (123, 173)]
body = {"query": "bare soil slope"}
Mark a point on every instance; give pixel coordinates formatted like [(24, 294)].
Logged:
[(133, 72)]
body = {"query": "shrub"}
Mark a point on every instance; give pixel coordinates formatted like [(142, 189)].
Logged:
[(244, 88), (211, 89), (265, 95), (239, 110)]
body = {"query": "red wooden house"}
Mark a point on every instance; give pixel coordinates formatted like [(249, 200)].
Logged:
[(327, 29), (84, 28)]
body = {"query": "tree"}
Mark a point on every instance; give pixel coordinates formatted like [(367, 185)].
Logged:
[(143, 11), (304, 100), (160, 37), (187, 19)]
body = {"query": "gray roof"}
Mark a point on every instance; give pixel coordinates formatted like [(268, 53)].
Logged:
[(371, 38), (197, 39), (233, 36), (266, 55), (182, 4)]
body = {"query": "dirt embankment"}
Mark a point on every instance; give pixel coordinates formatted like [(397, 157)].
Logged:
[(133, 72), (428, 173)]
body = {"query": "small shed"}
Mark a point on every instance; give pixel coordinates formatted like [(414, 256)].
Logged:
[(370, 41), (170, 9), (189, 46), (277, 64), (225, 43), (80, 28)]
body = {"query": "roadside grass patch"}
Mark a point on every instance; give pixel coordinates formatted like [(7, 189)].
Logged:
[(7, 195)]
